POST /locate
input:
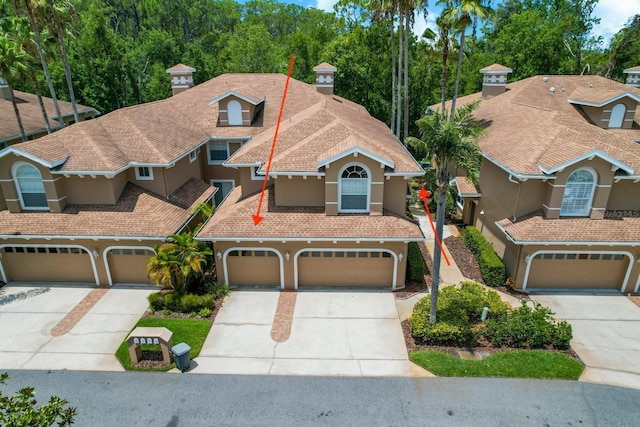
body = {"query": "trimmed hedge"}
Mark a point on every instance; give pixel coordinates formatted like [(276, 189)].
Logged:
[(415, 263), (180, 303), (491, 266)]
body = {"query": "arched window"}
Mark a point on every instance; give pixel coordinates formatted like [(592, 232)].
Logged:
[(234, 113), (354, 189), (30, 187), (578, 193), (617, 116)]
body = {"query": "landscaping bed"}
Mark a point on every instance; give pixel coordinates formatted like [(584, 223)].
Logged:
[(412, 287)]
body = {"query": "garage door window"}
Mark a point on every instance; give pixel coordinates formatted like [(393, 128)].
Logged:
[(30, 187), (354, 189), (578, 193)]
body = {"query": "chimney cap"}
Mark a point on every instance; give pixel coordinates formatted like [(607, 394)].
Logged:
[(496, 69), (632, 70), (180, 69), (325, 67)]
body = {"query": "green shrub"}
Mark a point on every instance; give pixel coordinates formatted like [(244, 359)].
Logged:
[(415, 263), (172, 301), (205, 312), (447, 334), (217, 290), (491, 266), (528, 327), (192, 303), (156, 301)]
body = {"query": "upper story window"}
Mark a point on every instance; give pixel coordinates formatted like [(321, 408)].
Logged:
[(353, 189), (193, 155), (578, 193), (617, 116), (30, 187), (144, 173), (234, 113), (218, 151)]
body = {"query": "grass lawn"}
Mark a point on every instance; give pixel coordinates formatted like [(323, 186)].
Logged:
[(513, 364), (191, 331)]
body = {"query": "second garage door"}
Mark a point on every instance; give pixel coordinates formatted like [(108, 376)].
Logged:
[(129, 265), (345, 268), (253, 267)]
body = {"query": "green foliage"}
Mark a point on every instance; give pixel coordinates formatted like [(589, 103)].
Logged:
[(173, 301), (205, 312), (528, 327), (218, 290), (181, 303), (491, 266), (415, 263), (193, 303), (156, 301), (20, 409), (510, 364)]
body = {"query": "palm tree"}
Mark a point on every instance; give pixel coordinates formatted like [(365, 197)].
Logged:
[(56, 15), (463, 12), (445, 43), (447, 140), (29, 6), (20, 31), (178, 261), (12, 65)]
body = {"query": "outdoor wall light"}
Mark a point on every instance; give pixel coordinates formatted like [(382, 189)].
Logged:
[(527, 258), (219, 255), (287, 255), (400, 256), (95, 253)]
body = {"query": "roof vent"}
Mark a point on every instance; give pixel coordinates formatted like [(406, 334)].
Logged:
[(552, 89), (545, 79), (590, 85)]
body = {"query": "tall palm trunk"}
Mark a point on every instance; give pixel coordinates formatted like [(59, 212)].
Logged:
[(399, 80), (393, 74), (437, 253), (43, 61), (445, 57), (407, 19), (67, 74), (458, 67), (43, 110), (17, 112)]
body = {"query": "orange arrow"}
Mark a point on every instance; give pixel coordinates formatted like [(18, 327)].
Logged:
[(423, 194), (257, 218)]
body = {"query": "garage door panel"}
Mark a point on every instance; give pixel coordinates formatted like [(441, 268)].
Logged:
[(129, 265), (253, 268), (339, 268), (578, 271), (47, 265)]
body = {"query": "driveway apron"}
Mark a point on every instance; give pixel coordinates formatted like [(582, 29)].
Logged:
[(606, 335), (331, 333)]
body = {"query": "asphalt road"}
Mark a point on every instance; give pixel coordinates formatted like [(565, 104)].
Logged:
[(161, 399)]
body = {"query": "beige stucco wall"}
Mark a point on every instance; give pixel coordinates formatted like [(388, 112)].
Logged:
[(299, 191), (250, 185), (395, 195), (600, 115), (177, 175), (55, 198), (3, 205), (248, 111), (52, 269), (332, 177), (156, 185), (293, 247), (95, 191), (619, 196)]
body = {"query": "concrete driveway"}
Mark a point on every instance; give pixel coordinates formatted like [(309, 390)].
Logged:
[(65, 328), (331, 333), (606, 335)]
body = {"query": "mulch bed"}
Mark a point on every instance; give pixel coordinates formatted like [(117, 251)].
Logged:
[(153, 358), (411, 288)]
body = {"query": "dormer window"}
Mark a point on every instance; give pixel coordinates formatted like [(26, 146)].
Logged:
[(218, 152), (30, 187), (234, 113), (578, 193), (617, 116), (144, 173), (354, 189)]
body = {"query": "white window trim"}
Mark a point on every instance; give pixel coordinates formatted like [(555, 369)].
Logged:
[(14, 168), (237, 121), (233, 183), (193, 156), (618, 117), (254, 174), (217, 162), (144, 178), (368, 208), (589, 204)]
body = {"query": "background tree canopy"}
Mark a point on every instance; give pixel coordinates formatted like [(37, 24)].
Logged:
[(118, 50)]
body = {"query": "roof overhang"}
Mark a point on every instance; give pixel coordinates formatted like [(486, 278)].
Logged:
[(355, 151), (604, 102), (12, 150), (237, 95), (589, 155)]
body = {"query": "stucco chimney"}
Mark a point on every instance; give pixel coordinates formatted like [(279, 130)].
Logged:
[(5, 93), (181, 78), (494, 81), (633, 76), (324, 77)]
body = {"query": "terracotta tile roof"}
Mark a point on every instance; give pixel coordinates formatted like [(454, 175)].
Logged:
[(137, 213), (181, 68), (327, 128), (466, 187), (535, 228), (325, 66), (159, 132), (30, 113), (529, 127), (234, 220), (495, 67)]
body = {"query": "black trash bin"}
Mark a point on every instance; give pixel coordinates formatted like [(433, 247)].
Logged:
[(181, 356)]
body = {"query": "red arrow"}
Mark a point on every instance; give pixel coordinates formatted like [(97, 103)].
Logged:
[(257, 218), (423, 194)]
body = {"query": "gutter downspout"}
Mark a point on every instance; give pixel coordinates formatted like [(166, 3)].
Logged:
[(515, 212)]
